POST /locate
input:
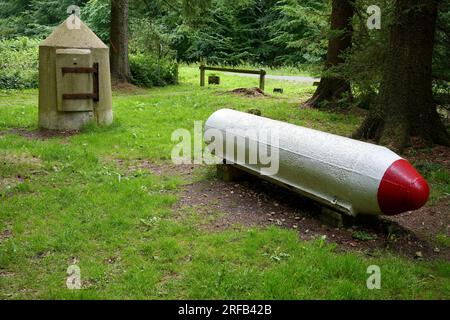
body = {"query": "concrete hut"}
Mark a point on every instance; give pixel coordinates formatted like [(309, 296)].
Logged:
[(74, 78)]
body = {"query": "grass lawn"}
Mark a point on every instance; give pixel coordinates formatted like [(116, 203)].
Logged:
[(74, 200)]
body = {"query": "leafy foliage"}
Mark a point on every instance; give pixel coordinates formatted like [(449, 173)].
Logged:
[(297, 28), (270, 32), (18, 63), (33, 17), (149, 70), (365, 62), (97, 15), (441, 62), (231, 32)]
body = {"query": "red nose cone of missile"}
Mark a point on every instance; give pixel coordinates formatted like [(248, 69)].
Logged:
[(402, 189)]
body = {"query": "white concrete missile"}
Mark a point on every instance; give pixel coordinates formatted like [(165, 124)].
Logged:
[(348, 175)]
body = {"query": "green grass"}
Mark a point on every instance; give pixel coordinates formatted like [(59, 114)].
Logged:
[(439, 176), (443, 240), (68, 200)]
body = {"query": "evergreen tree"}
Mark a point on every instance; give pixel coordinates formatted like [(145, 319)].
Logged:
[(332, 88), (120, 64), (405, 105)]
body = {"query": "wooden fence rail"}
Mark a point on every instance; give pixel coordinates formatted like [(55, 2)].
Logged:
[(262, 74)]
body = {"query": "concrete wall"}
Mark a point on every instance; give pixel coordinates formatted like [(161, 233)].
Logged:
[(49, 116)]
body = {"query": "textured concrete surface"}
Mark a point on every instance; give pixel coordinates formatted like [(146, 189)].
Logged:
[(72, 115)]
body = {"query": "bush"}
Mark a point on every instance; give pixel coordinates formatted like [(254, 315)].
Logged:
[(19, 66), (19, 63), (148, 70)]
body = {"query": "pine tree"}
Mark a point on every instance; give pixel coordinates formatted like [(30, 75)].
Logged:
[(120, 65), (331, 88), (405, 105)]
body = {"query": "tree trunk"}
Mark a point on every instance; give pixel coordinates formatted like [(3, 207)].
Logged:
[(120, 66), (332, 89), (405, 106)]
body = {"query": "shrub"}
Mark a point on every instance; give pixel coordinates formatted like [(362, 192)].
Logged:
[(19, 66), (148, 71), (19, 63)]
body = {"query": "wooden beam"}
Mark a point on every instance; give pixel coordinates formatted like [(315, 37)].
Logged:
[(235, 70), (262, 73)]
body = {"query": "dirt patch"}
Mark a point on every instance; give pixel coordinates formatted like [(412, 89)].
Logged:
[(41, 134), (125, 87), (248, 92), (427, 222), (437, 154), (159, 169), (259, 203), (9, 183), (22, 166), (6, 274), (112, 260), (358, 112), (239, 204), (5, 235), (22, 158)]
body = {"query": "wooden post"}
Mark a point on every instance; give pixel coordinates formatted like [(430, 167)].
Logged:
[(262, 73), (262, 81), (202, 73), (230, 173)]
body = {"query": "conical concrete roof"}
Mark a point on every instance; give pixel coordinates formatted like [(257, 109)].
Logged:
[(66, 37)]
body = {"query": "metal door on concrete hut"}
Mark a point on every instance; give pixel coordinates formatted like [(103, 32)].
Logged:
[(76, 80)]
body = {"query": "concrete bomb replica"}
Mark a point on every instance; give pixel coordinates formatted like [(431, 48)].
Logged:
[(347, 175)]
